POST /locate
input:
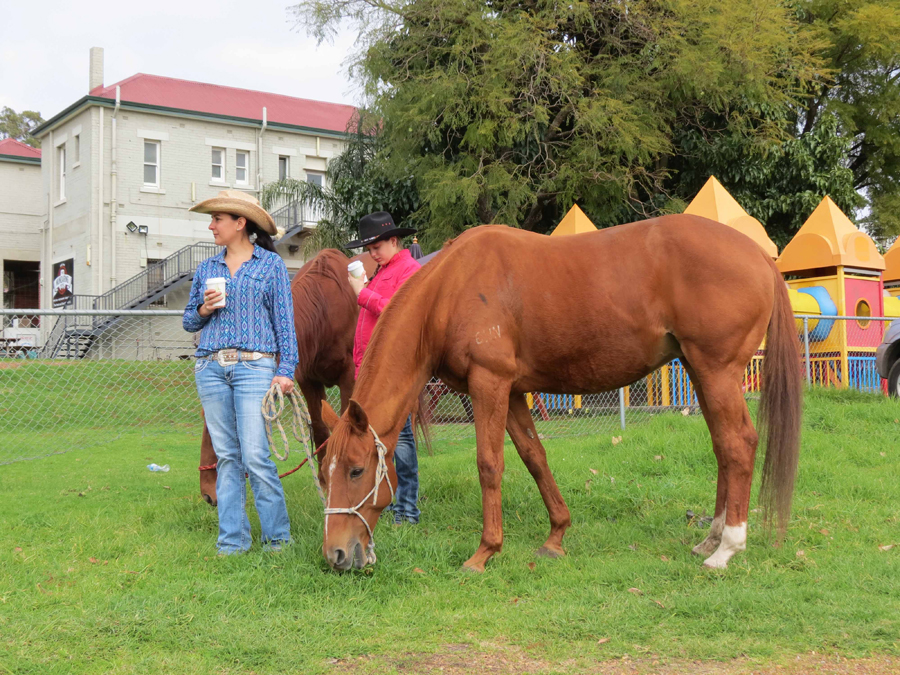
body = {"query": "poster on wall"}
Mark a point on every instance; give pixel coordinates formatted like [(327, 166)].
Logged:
[(63, 285)]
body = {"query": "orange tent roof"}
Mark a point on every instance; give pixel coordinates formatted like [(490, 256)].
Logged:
[(714, 202), (892, 262), (575, 222), (829, 239)]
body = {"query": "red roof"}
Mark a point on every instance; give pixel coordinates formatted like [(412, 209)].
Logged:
[(10, 146), (219, 100)]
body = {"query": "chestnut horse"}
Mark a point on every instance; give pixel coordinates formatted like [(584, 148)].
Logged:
[(325, 313), (502, 312)]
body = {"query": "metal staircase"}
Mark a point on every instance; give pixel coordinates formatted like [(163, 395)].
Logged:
[(72, 336), (294, 218)]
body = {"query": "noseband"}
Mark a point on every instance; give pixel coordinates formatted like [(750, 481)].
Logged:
[(381, 474)]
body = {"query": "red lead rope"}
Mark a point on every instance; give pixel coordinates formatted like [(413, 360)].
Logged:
[(211, 467)]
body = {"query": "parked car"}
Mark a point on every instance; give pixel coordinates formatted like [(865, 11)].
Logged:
[(887, 358)]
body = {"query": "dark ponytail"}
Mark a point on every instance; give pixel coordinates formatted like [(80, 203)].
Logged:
[(263, 238)]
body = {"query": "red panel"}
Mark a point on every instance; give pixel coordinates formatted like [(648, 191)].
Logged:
[(870, 290)]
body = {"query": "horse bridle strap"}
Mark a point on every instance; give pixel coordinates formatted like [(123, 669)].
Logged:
[(381, 473)]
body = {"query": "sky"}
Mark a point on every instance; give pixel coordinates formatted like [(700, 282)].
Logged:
[(44, 49)]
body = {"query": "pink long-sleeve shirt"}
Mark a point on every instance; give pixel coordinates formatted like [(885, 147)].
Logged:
[(374, 298)]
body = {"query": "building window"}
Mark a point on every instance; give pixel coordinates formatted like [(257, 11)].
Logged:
[(151, 163), (78, 148), (62, 172), (241, 167), (218, 164), (315, 178), (283, 167)]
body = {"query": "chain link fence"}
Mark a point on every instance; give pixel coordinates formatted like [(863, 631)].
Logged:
[(72, 379)]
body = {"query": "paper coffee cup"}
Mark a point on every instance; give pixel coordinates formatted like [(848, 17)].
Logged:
[(356, 269), (217, 284)]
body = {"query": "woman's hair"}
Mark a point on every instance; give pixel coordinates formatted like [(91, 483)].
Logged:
[(263, 238), (399, 248)]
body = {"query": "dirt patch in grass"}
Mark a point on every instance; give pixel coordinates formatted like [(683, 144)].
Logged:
[(463, 659)]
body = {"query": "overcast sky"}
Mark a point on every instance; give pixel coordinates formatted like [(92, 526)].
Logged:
[(44, 49)]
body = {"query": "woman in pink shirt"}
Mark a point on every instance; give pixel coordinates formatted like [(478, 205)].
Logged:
[(381, 238)]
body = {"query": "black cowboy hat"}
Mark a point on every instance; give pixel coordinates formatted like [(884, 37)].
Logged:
[(376, 227)]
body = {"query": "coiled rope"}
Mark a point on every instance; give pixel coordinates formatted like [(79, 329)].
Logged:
[(301, 429)]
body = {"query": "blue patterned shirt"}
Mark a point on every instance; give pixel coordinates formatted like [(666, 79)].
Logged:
[(258, 315)]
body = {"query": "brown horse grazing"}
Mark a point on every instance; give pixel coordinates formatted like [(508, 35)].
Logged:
[(502, 312), (325, 313)]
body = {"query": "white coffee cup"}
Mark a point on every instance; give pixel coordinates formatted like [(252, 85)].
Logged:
[(217, 284), (356, 269)]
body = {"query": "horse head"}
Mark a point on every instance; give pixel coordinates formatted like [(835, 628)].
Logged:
[(359, 480)]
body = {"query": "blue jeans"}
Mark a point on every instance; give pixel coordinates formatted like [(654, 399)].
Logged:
[(232, 402), (406, 462)]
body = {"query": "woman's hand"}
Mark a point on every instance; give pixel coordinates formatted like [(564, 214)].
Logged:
[(357, 283), (210, 298), (286, 384)]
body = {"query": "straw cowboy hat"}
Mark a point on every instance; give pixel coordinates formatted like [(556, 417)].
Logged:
[(240, 204), (377, 226)]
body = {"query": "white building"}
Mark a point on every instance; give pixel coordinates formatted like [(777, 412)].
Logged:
[(121, 166), (21, 215)]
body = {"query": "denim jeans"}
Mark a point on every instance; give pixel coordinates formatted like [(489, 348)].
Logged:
[(406, 462), (232, 402)]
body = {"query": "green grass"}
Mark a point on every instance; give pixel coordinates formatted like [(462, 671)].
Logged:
[(108, 568)]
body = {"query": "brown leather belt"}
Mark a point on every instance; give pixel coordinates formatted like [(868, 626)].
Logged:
[(228, 357)]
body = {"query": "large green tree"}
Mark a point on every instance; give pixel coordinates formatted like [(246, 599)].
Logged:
[(861, 89), (20, 125), (510, 111)]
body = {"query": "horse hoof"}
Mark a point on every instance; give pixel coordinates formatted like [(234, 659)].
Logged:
[(209, 500), (473, 568), (705, 548), (544, 552), (712, 564)]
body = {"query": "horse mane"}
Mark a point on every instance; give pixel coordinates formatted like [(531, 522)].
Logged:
[(310, 306)]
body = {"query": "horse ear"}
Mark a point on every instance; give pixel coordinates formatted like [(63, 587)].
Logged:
[(329, 416), (358, 418)]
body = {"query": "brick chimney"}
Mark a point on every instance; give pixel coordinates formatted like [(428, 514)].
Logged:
[(96, 78)]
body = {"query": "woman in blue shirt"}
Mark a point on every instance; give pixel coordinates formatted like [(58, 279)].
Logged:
[(236, 363)]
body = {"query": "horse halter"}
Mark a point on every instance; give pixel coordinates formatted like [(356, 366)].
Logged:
[(381, 474)]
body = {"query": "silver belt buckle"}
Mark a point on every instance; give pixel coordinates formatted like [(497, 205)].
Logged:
[(227, 357)]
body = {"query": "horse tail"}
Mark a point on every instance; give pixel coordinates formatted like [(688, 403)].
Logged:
[(780, 410)]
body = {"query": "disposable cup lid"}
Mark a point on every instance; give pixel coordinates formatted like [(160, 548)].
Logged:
[(216, 280), (355, 265)]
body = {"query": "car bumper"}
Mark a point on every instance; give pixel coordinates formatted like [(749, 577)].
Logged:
[(882, 364)]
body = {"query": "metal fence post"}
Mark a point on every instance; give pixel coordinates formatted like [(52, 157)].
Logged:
[(806, 350), (622, 407)]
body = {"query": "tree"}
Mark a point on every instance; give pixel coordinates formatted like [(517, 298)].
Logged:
[(861, 89), (20, 125), (509, 111), (356, 184)]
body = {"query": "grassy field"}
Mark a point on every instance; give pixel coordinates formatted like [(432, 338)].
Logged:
[(108, 568)]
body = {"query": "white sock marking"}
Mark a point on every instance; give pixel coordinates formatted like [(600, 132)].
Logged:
[(734, 540)]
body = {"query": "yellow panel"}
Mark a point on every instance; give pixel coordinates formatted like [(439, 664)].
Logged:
[(575, 222), (892, 263), (892, 307), (714, 202), (846, 245)]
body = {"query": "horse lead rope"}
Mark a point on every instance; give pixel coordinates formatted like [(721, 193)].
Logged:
[(301, 422), (381, 473)]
